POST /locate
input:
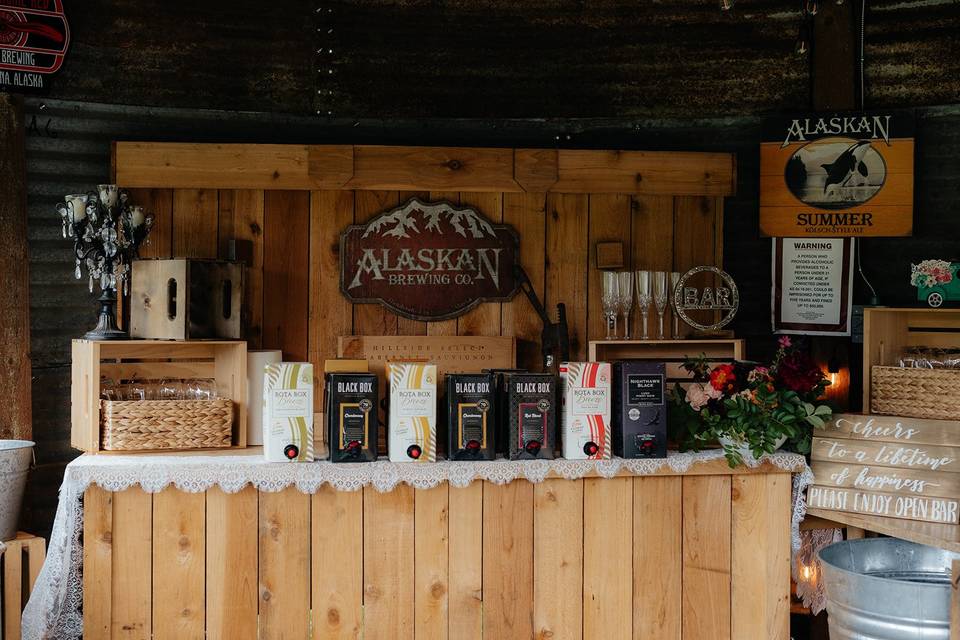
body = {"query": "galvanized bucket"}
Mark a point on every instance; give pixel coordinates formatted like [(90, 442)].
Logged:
[(15, 459), (887, 589)]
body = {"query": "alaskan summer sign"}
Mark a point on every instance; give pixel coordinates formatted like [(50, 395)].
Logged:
[(835, 175)]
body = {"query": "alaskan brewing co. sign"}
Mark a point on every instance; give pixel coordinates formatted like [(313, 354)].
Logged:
[(34, 36), (837, 175), (429, 261)]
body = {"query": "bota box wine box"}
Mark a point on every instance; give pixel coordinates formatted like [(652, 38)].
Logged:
[(186, 299), (531, 406), (288, 412), (471, 416), (585, 431), (351, 414), (639, 409), (412, 433)]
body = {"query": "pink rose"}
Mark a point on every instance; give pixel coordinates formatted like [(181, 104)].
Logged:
[(697, 397), (785, 342)]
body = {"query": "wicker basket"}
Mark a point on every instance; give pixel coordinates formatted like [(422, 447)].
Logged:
[(916, 393), (132, 425)]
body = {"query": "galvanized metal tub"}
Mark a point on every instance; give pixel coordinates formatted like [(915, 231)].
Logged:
[(887, 589), (15, 459)]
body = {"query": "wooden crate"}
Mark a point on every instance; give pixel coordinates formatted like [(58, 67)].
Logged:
[(671, 352), (20, 565), (224, 362), (888, 330)]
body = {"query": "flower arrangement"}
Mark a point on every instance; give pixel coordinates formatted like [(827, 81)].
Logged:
[(930, 273), (751, 409)]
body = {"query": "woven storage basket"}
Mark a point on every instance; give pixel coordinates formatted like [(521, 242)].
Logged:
[(130, 425), (916, 393)]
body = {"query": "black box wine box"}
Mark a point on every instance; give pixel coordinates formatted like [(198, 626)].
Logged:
[(471, 416), (351, 410)]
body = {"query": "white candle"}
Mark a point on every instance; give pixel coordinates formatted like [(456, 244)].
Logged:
[(77, 205), (109, 195), (136, 216)]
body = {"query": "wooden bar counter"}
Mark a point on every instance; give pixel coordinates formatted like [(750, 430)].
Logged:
[(699, 555)]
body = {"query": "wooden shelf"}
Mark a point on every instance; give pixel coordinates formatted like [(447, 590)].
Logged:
[(943, 536)]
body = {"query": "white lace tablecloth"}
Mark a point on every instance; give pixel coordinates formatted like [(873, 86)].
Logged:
[(53, 611)]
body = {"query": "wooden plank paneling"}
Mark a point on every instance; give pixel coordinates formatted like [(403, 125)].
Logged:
[(232, 559), (373, 319), (566, 275), (610, 218), (284, 550), (706, 558), (285, 282), (760, 556), (431, 578), (337, 564), (508, 560), (526, 213), (558, 559), (657, 558), (465, 602), (433, 168), (694, 243), (179, 536), (645, 172), (388, 563), (652, 248), (97, 563), (159, 203), (484, 320), (241, 219), (195, 223), (132, 551), (12, 582), (608, 558), (535, 170), (406, 326)]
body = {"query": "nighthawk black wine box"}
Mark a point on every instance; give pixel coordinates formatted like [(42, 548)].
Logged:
[(351, 411), (531, 407), (639, 409), (471, 416)]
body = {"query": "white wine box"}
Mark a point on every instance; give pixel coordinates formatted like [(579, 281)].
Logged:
[(288, 412), (412, 430), (586, 410)]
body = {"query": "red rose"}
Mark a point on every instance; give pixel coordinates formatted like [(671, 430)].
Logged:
[(722, 378)]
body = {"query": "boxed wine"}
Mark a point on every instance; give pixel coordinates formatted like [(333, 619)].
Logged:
[(585, 433), (351, 414), (639, 409), (471, 416), (531, 407), (288, 412), (412, 433)]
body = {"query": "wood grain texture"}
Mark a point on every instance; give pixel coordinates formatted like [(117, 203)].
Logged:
[(232, 559), (658, 543), (194, 223), (97, 562), (465, 601), (132, 550), (433, 168), (760, 557), (566, 262), (508, 560), (610, 219), (484, 320), (431, 576), (645, 172), (526, 213), (285, 280), (694, 242), (337, 563), (12, 581), (608, 558), (159, 204), (558, 559), (535, 170), (388, 563), (706, 558), (373, 319), (179, 537), (284, 548), (241, 219)]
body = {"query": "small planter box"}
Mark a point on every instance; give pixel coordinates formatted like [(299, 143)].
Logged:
[(20, 565), (223, 362)]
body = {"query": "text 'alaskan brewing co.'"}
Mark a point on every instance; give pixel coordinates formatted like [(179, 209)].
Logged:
[(288, 412), (586, 410), (352, 422), (531, 407), (639, 409), (412, 432), (471, 416)]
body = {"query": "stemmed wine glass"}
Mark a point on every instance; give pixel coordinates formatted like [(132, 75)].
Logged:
[(625, 300), (674, 282), (644, 298), (660, 297), (609, 299)]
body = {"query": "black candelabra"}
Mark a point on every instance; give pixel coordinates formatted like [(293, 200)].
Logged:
[(107, 232)]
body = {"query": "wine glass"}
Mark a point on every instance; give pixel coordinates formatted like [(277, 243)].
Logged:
[(644, 298), (674, 283), (609, 299), (625, 300), (660, 294)]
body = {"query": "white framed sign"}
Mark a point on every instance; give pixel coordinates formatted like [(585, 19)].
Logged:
[(812, 290)]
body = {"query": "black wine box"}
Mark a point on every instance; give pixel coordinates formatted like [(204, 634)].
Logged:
[(501, 428), (471, 416), (531, 406), (639, 409), (351, 412)]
